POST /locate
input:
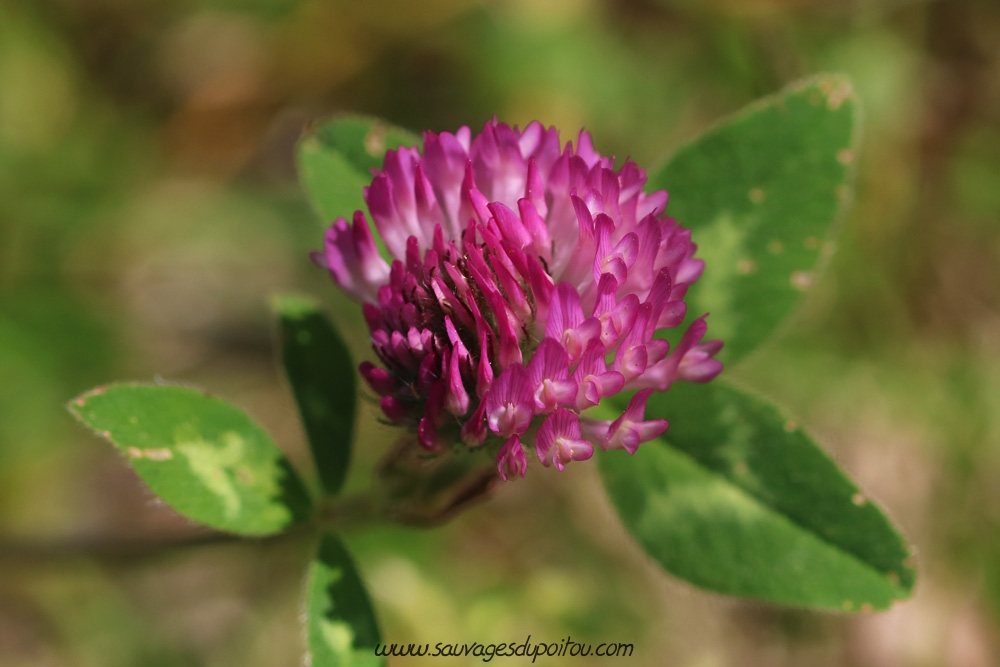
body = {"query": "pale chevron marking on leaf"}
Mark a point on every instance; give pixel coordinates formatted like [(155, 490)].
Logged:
[(720, 245), (212, 465)]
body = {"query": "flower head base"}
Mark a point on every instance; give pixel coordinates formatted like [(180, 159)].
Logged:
[(528, 281)]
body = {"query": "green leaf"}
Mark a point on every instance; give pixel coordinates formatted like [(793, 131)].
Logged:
[(759, 193), (206, 458), (322, 375), (736, 498), (341, 625), (335, 161)]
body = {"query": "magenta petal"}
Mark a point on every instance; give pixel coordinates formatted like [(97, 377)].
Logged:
[(548, 377), (509, 353), (390, 227), (662, 374), (352, 267), (702, 371), (484, 371), (549, 362), (672, 315), (535, 226), (698, 364), (393, 409), (534, 191), (373, 317), (642, 273), (371, 267), (428, 373), (450, 303), (444, 164), (629, 431), (616, 317), (585, 148), (560, 441), (577, 340), (509, 408), (510, 225), (592, 388), (632, 357), (380, 380), (479, 204), (565, 312), (511, 459), (428, 210), (427, 433), (566, 324), (603, 226), (690, 270), (593, 378), (457, 401), (474, 431), (611, 194)]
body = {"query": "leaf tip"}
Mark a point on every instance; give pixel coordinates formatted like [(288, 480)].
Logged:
[(834, 89), (902, 579), (77, 404), (837, 90)]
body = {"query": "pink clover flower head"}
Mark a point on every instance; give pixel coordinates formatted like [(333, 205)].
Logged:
[(527, 282)]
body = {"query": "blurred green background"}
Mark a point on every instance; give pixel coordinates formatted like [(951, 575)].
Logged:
[(149, 205)]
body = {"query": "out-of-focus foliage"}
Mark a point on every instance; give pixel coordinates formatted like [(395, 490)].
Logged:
[(149, 204)]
